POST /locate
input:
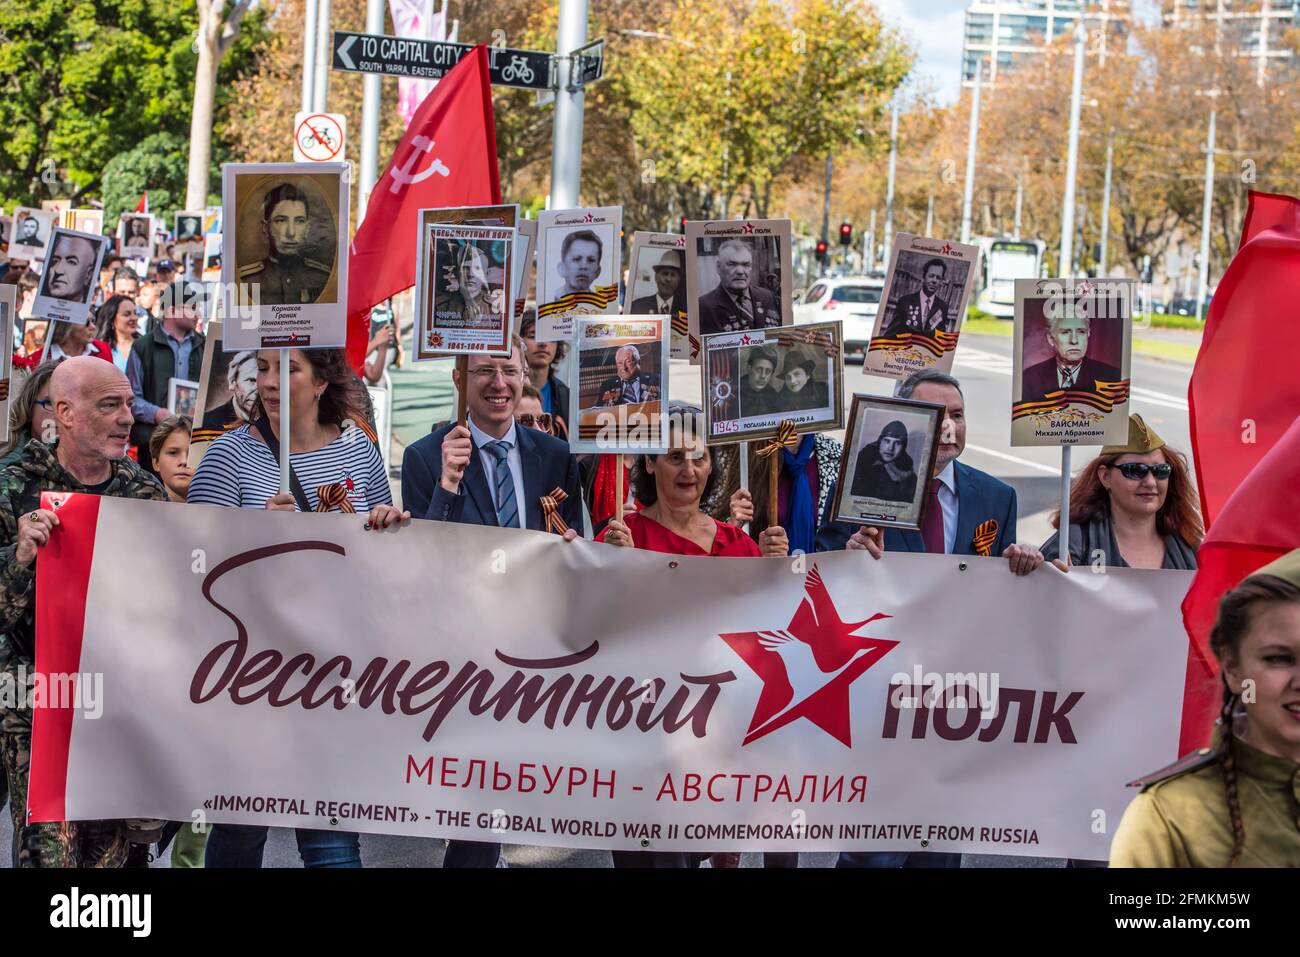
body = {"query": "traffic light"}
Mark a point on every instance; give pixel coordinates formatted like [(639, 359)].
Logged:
[(683, 224), (821, 251), (846, 234)]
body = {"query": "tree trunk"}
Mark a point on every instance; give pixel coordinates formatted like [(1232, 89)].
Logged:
[(205, 81)]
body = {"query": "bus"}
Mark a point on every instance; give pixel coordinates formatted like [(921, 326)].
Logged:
[(1002, 262)]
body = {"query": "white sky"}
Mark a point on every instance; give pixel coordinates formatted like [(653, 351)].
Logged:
[(934, 28)]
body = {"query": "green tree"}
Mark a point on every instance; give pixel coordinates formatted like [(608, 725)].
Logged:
[(156, 164)]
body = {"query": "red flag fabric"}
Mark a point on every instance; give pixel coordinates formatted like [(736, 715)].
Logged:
[(1256, 525), (448, 157), (1244, 392), (143, 205)]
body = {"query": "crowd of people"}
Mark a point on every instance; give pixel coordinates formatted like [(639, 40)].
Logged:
[(89, 415)]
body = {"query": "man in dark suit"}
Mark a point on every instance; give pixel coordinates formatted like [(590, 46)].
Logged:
[(734, 304), (962, 499), (923, 311), (489, 472), (1070, 367), (669, 297), (631, 385)]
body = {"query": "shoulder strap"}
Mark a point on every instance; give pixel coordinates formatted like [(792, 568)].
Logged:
[(1188, 762), (264, 429)]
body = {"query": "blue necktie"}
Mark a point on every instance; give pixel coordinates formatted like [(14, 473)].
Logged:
[(507, 506)]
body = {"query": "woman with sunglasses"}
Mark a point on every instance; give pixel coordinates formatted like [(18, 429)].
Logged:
[(30, 414), (1133, 507), (528, 411)]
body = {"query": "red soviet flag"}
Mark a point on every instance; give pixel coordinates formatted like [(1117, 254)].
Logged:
[(448, 157), (1245, 392), (1256, 525)]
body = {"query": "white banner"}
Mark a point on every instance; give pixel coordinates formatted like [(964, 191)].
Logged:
[(485, 684)]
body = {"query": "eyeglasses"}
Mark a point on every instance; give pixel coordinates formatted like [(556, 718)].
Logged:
[(542, 421), (1137, 471), (45, 404), (486, 374)]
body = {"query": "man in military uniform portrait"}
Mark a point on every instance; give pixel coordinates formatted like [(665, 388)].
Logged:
[(1070, 368), (734, 304), (29, 233), (465, 292), (669, 297), (286, 275), (188, 228), (135, 234), (923, 311), (631, 385)]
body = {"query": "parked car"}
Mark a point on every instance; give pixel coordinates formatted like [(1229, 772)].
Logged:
[(853, 300)]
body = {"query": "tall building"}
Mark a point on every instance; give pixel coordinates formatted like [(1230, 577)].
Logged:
[(1255, 28), (1007, 34)]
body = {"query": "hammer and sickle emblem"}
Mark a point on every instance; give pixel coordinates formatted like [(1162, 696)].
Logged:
[(402, 176)]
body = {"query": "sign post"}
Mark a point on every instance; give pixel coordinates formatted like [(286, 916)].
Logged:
[(432, 59)]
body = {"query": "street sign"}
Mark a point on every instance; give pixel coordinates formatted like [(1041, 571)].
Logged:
[(589, 62), (431, 59), (319, 137)]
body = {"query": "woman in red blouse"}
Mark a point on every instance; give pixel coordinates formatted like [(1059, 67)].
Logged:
[(670, 488)]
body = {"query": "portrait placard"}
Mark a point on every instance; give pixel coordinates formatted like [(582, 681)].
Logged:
[(8, 309), (620, 403), (579, 256), (182, 396), (1070, 373), (227, 392), (86, 220), (923, 307), (753, 381), (739, 276), (212, 257), (67, 284), (135, 235), (284, 258), (656, 284), (889, 452), (30, 235), (466, 308), (188, 233), (505, 214)]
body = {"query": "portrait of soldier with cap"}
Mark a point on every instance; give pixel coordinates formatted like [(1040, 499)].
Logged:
[(287, 274), (761, 383), (669, 297), (884, 469)]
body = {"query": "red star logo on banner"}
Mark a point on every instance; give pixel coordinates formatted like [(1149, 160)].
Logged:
[(807, 668), (947, 249), (749, 228), (1083, 288), (589, 218)]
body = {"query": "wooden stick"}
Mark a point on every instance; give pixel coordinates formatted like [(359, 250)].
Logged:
[(462, 392), (618, 486), (773, 479)]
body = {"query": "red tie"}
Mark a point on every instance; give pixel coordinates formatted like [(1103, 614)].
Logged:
[(932, 527)]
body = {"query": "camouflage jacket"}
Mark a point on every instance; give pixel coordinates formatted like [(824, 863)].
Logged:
[(21, 484)]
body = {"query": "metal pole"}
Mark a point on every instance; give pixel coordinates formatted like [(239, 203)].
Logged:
[(1066, 263), (826, 215), (929, 216), (1063, 536), (566, 135), (1105, 205), (971, 137), (308, 54), (1203, 275), (321, 86), (370, 99), (889, 186), (284, 420)]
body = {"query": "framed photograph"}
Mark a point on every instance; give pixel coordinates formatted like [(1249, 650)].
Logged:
[(182, 396), (30, 234), (1070, 373), (468, 307), (739, 276), (135, 235), (212, 257), (923, 306), (621, 400), (8, 309), (889, 452), (579, 256), (86, 220), (68, 281), (227, 391), (504, 215), (656, 284), (285, 255), (753, 381), (189, 233)]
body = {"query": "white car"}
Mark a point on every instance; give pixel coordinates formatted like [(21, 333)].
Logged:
[(853, 301)]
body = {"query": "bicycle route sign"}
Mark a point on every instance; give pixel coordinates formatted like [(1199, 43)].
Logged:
[(430, 59), (319, 137)]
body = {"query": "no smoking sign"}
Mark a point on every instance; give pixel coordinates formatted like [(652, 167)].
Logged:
[(318, 137)]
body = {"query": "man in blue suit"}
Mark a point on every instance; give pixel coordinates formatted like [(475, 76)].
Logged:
[(969, 513), (490, 471)]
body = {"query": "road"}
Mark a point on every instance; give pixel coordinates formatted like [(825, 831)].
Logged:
[(983, 365)]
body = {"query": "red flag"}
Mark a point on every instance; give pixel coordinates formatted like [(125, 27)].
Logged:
[(448, 157), (1256, 525), (143, 205), (1244, 392)]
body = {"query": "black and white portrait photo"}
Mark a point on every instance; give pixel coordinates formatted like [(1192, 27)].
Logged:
[(68, 281), (889, 446), (738, 275), (189, 234), (579, 259), (656, 284), (30, 233), (466, 305), (135, 234)]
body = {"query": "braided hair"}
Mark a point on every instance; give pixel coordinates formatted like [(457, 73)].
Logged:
[(1236, 612)]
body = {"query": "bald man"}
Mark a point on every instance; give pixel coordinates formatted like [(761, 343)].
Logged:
[(92, 408)]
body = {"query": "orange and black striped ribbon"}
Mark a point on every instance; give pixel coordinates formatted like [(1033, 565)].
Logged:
[(334, 495), (786, 438), (986, 533), (551, 510)]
